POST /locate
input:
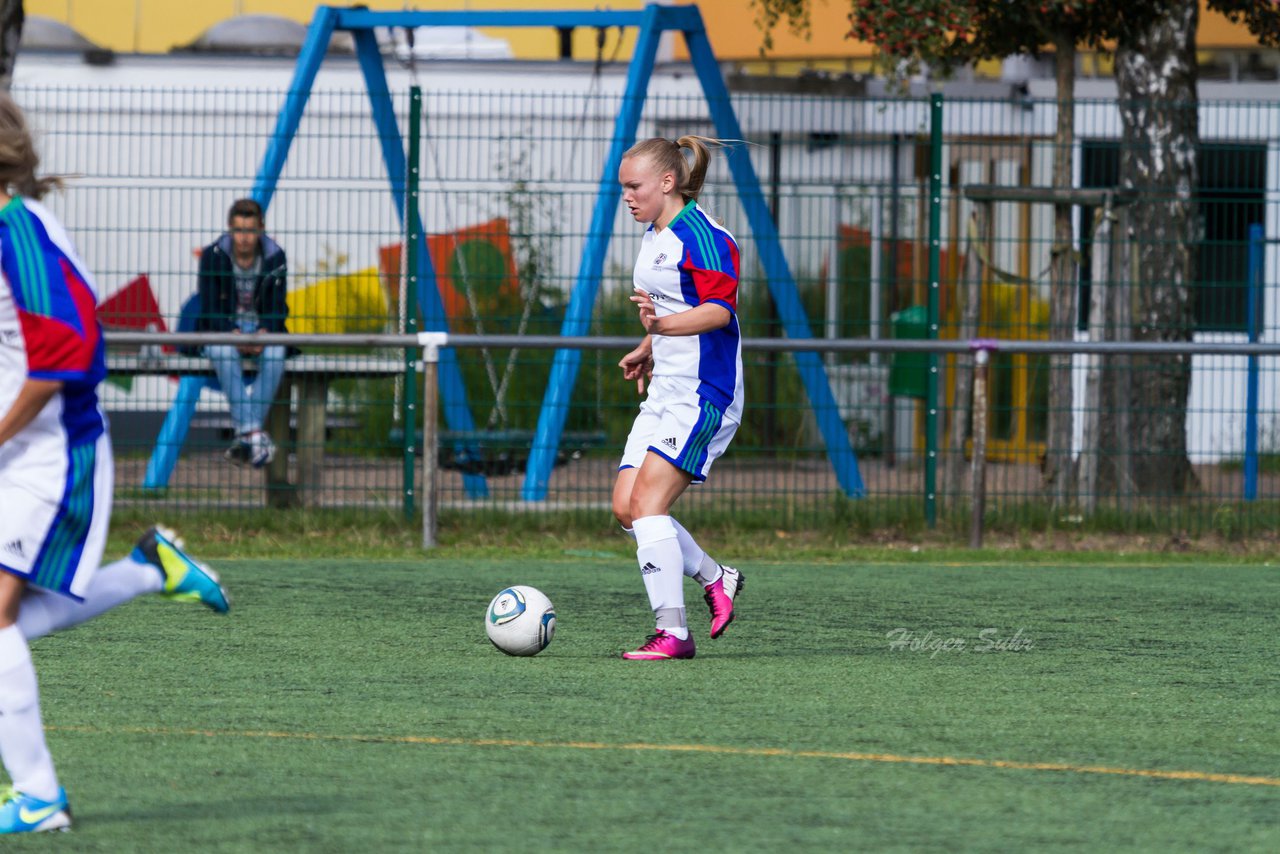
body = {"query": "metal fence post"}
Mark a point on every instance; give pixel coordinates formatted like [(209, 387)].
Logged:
[(412, 228), (935, 275), (1253, 320), (978, 487), (431, 342)]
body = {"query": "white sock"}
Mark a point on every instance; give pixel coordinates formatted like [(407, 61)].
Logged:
[(43, 612), (697, 563), (658, 554), (22, 747)]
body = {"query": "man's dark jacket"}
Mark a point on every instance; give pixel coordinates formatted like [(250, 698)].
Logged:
[(217, 288)]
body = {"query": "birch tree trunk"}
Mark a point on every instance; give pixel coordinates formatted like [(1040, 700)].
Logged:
[(970, 316), (1099, 296), (1062, 285), (1156, 77)]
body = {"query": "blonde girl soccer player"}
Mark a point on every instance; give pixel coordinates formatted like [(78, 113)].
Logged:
[(55, 476), (686, 291)]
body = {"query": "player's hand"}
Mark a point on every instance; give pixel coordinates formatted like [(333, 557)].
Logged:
[(648, 312), (637, 365)]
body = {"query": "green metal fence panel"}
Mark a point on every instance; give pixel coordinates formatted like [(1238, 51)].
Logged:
[(860, 189)]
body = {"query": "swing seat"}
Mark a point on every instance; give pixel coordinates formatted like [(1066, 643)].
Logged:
[(501, 452)]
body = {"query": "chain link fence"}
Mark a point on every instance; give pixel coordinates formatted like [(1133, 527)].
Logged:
[(901, 219)]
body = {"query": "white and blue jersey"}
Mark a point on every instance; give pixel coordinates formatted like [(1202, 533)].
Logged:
[(694, 260), (55, 474), (694, 404)]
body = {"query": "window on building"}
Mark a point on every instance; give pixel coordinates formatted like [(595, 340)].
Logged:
[(1231, 184)]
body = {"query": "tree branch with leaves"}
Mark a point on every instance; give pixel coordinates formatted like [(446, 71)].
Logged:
[(1157, 101)]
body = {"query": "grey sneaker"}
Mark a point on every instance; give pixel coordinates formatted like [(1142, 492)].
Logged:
[(240, 451), (261, 449)]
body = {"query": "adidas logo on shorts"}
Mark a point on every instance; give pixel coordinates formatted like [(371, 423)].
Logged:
[(670, 443), (14, 547)]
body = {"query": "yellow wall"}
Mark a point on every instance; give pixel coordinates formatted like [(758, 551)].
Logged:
[(1216, 31), (734, 34), (155, 26)]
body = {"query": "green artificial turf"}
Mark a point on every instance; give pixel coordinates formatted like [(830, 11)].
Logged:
[(357, 706)]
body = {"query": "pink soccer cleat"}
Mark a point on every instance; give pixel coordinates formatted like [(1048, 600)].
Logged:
[(720, 595), (662, 646)]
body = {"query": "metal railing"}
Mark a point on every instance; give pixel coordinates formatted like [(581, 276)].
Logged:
[(424, 483), (911, 228)]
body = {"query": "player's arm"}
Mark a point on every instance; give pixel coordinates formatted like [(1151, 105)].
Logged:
[(638, 364), (32, 397), (707, 317)]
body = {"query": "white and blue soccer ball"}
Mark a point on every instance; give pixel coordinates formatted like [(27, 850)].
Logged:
[(520, 621)]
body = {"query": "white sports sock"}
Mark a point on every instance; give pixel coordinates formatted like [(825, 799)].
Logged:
[(697, 563), (658, 553), (43, 612), (22, 747)]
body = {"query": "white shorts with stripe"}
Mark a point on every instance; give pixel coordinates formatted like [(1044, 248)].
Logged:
[(55, 504), (676, 424)]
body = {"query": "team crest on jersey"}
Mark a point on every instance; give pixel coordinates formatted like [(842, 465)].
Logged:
[(658, 262)]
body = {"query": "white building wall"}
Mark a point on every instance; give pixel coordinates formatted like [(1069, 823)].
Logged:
[(156, 182)]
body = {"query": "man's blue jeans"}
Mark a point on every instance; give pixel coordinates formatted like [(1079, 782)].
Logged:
[(249, 401)]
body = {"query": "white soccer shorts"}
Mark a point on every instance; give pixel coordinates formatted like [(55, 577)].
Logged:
[(676, 424), (55, 505)]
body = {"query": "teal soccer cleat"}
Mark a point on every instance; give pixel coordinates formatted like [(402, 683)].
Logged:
[(21, 813), (184, 579)]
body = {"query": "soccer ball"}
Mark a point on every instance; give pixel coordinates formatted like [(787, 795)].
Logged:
[(520, 621)]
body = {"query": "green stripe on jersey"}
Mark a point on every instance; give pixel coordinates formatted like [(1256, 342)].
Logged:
[(688, 206), (700, 232), (32, 275), (706, 432), (60, 556), (707, 243)]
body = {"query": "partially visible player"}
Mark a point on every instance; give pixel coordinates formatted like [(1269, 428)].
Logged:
[(55, 475), (686, 283)]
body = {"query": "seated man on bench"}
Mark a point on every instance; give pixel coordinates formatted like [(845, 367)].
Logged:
[(242, 289)]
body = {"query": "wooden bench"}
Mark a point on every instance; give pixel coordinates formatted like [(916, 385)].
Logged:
[(310, 373)]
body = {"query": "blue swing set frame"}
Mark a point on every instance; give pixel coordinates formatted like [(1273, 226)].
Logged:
[(652, 22)]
